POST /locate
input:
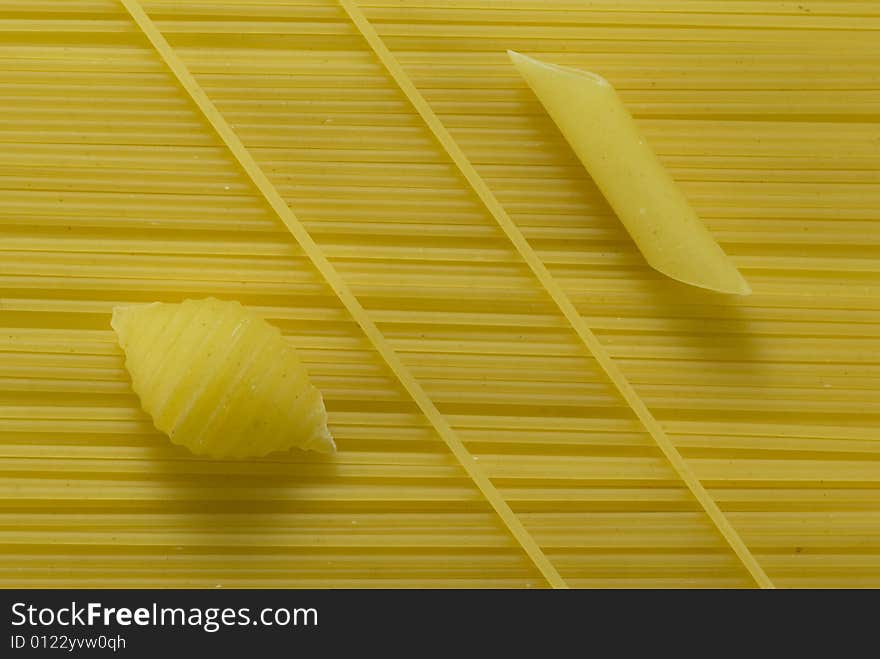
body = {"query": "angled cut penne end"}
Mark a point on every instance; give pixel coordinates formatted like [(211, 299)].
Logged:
[(658, 217), (219, 380)]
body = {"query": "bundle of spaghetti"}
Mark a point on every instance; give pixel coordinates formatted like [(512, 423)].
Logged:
[(116, 189)]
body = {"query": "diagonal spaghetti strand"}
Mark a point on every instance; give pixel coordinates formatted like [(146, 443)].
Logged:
[(556, 293), (354, 307)]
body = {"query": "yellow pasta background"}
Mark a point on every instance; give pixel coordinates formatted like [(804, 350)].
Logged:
[(500, 366)]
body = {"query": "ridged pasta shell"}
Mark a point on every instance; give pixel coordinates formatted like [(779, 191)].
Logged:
[(219, 380)]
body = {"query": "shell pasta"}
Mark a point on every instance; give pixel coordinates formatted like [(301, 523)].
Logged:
[(219, 380)]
